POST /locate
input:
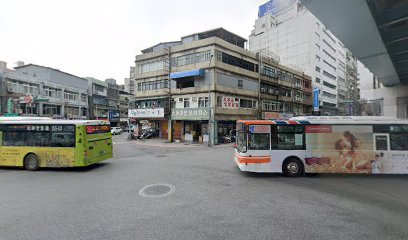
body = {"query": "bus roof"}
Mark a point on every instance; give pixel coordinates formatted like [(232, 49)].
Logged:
[(23, 118), (330, 120), (56, 121)]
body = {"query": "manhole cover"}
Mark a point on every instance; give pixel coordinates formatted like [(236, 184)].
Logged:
[(157, 190)]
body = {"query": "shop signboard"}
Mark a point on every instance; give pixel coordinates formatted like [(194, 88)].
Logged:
[(230, 102), (146, 113), (276, 115), (189, 114)]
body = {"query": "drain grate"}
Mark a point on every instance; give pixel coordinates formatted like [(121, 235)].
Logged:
[(157, 190)]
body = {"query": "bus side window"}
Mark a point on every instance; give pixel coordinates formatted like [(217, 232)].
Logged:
[(290, 137)]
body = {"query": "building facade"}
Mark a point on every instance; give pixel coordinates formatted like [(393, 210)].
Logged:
[(213, 82), (33, 90), (98, 99), (289, 30), (130, 82), (113, 102)]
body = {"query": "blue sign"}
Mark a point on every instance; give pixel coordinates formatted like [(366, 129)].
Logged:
[(275, 7), (269, 7), (316, 99)]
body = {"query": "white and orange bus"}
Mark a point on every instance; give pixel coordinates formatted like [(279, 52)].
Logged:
[(370, 145)]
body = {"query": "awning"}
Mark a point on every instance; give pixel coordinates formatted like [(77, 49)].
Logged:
[(190, 73)]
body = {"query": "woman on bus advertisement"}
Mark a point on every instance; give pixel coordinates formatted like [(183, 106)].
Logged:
[(339, 148)]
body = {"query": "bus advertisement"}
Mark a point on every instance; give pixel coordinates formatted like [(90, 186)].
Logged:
[(323, 145), (37, 143)]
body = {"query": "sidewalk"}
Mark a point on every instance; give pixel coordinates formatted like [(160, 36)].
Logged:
[(157, 142)]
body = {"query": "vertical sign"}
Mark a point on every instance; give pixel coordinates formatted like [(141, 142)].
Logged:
[(9, 105), (316, 99)]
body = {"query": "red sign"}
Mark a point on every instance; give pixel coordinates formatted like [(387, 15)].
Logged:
[(230, 102), (318, 129)]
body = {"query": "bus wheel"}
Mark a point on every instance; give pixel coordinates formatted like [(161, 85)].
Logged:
[(31, 162), (292, 167)]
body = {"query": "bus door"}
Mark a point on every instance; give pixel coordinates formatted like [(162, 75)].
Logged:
[(382, 162), (1, 143)]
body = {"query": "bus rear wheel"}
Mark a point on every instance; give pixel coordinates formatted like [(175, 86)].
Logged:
[(292, 167), (31, 162)]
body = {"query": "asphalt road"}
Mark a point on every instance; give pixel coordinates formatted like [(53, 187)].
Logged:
[(212, 199)]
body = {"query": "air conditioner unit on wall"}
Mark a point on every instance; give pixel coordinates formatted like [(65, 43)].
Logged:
[(10, 89)]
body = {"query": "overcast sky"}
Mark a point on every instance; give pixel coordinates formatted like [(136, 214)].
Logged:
[(100, 38)]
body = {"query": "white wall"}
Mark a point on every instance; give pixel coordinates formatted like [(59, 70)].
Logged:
[(395, 99)]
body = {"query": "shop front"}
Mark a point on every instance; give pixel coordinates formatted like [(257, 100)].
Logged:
[(190, 124), (150, 119)]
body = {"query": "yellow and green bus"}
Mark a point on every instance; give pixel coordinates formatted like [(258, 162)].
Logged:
[(35, 143)]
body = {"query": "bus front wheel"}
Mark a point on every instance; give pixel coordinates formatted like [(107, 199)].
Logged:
[(31, 162), (292, 167)]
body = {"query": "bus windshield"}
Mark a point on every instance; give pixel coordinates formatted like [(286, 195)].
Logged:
[(242, 141)]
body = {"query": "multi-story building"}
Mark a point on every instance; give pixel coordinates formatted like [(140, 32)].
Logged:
[(35, 90), (98, 99), (113, 101), (130, 82), (124, 99), (289, 30), (214, 81)]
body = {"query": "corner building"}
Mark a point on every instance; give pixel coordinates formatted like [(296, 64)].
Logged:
[(213, 82)]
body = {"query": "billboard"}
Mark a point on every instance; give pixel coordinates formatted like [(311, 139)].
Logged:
[(339, 149)]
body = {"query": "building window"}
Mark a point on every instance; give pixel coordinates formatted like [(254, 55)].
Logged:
[(318, 80), (83, 97), (152, 85), (317, 69), (240, 83), (186, 102), (317, 58), (202, 102), (237, 62), (245, 103), (330, 95), (329, 55), (329, 85), (191, 59), (268, 71), (150, 66), (329, 65), (270, 106), (329, 75), (219, 101)]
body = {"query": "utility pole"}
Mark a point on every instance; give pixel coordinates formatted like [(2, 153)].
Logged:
[(209, 107), (167, 68)]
